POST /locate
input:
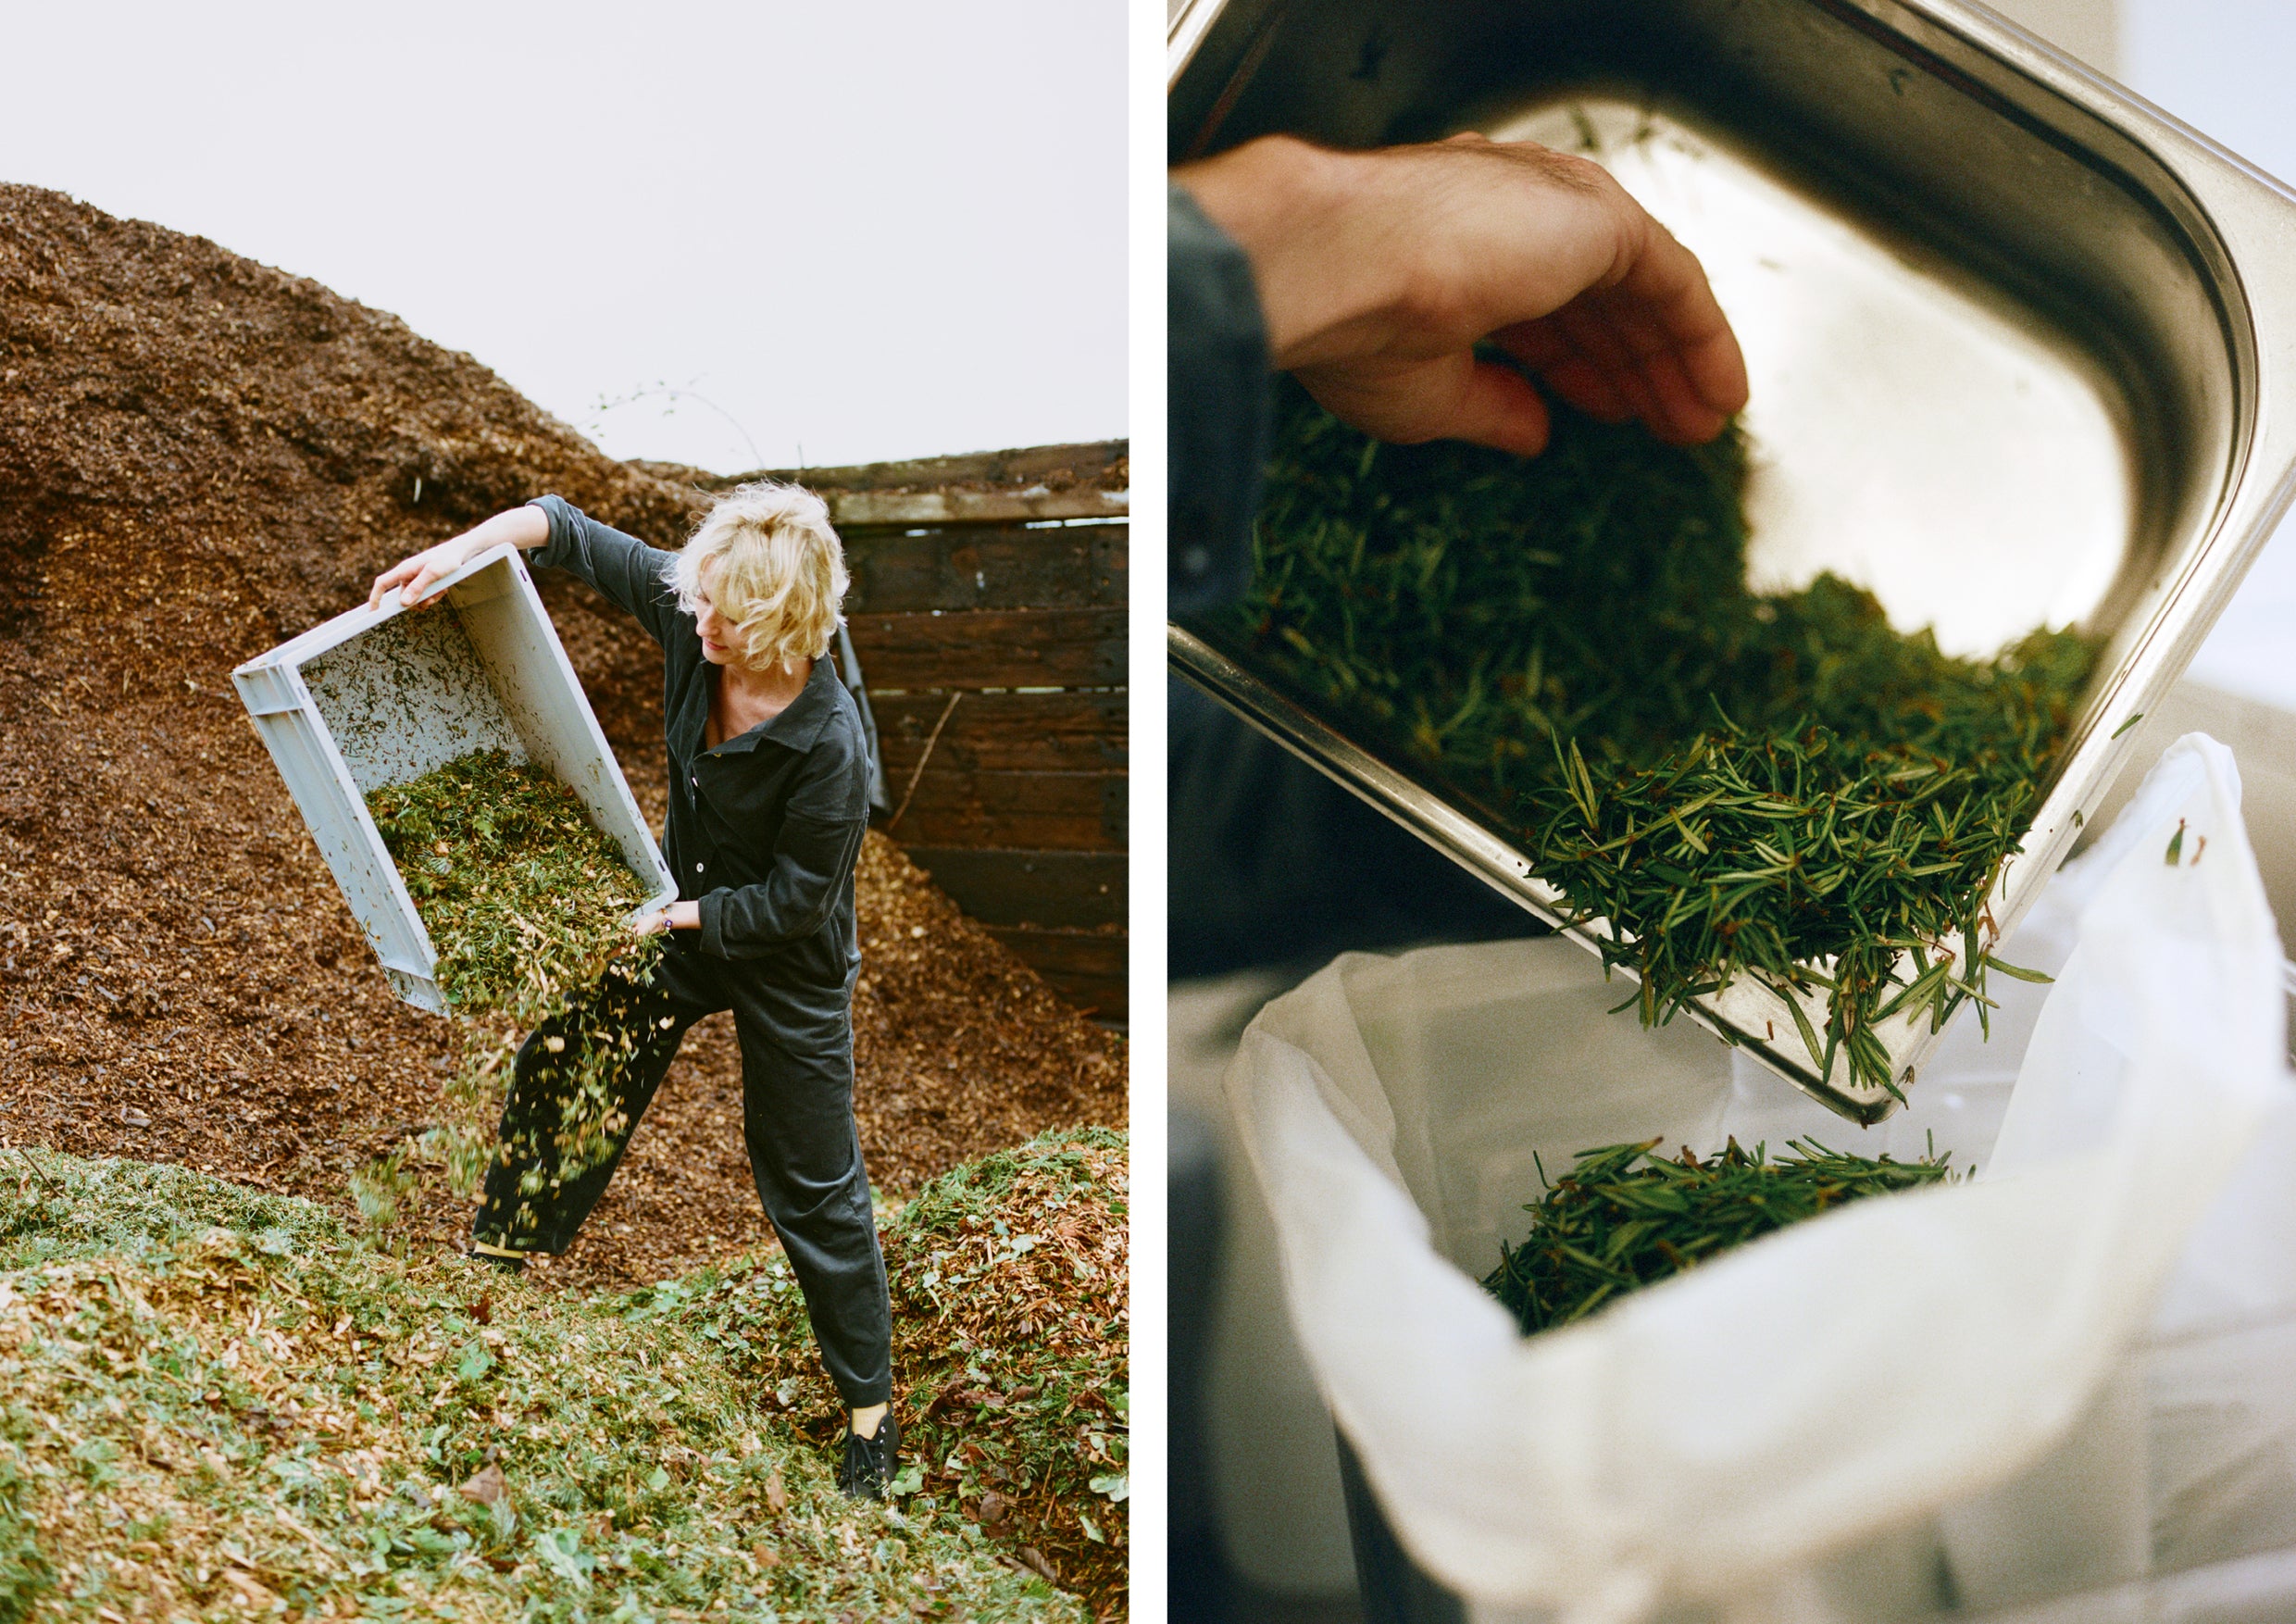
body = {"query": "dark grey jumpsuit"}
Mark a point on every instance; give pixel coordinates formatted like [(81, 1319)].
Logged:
[(764, 832)]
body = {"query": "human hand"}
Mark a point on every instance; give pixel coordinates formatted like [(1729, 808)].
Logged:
[(520, 527), (414, 576), (677, 916), (1378, 272)]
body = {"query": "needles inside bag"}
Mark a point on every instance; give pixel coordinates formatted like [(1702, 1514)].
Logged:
[(1624, 1217)]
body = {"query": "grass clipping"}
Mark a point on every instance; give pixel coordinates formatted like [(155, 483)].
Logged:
[(527, 907), (1623, 1218), (215, 1404), (1776, 785), (1010, 1330)]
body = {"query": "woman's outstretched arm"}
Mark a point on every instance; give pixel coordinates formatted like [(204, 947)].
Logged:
[(624, 570), (524, 528)]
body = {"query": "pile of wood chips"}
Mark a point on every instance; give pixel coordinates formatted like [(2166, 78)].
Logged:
[(199, 457)]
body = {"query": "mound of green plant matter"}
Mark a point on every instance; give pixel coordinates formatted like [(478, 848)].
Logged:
[(1622, 1217), (528, 908), (214, 1402), (1781, 785), (1010, 1332)]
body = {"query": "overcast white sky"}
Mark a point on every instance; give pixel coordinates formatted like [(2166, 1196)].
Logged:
[(869, 231), (873, 230)]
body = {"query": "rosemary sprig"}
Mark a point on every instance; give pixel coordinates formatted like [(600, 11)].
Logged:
[(1779, 785), (1623, 1218)]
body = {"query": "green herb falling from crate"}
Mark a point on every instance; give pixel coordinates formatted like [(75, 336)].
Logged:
[(527, 907), (1623, 1218), (1776, 785)]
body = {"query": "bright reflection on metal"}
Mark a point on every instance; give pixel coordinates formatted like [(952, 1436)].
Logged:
[(1910, 433)]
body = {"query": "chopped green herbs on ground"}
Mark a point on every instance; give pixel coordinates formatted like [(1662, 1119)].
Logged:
[(1773, 784), (215, 1401), (527, 907), (1010, 1330), (1623, 1218)]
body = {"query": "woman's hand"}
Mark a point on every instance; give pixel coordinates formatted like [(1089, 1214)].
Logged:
[(678, 915), (1378, 273), (521, 526)]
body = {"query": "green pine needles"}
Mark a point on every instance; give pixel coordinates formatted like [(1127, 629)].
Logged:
[(1774, 785), (1623, 1218)]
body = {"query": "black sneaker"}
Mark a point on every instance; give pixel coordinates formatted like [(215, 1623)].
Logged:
[(867, 1472), (502, 1257)]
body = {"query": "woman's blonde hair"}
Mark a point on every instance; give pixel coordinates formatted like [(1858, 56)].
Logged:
[(777, 572)]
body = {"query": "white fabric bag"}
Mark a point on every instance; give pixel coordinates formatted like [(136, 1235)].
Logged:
[(1712, 1439)]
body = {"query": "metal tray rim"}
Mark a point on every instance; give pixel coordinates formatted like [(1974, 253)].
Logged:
[(2238, 216)]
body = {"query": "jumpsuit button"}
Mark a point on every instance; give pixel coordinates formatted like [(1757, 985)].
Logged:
[(697, 867)]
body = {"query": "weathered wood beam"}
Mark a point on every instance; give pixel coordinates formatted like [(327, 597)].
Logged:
[(993, 648), (989, 566), (1056, 889)]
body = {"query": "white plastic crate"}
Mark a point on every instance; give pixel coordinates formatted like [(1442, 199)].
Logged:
[(380, 697)]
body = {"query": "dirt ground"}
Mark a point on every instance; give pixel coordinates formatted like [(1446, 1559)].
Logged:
[(199, 457)]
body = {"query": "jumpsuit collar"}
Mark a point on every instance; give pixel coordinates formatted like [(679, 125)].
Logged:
[(801, 722)]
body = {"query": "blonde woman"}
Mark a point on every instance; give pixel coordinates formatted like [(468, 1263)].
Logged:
[(768, 798)]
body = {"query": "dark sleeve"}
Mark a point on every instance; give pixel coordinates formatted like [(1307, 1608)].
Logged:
[(1215, 411), (623, 569), (813, 858)]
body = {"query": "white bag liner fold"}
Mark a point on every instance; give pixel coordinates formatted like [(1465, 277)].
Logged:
[(1695, 1441)]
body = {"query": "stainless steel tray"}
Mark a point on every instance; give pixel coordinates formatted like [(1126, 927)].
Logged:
[(2023, 348)]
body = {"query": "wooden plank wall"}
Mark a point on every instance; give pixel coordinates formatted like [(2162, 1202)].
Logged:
[(989, 602)]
